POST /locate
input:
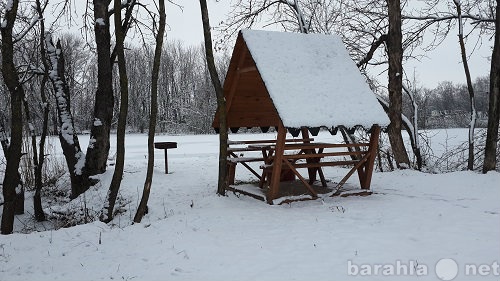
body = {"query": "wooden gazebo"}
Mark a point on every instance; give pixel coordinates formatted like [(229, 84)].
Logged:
[(299, 83)]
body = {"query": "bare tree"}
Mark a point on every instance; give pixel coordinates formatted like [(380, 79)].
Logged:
[(75, 158), (480, 14), (395, 87), (37, 198), (107, 212), (98, 149), (490, 159), (470, 89), (221, 103), (11, 78), (141, 210), (413, 130)]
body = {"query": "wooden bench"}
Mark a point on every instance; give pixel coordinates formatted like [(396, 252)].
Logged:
[(251, 146), (314, 161), (165, 146)]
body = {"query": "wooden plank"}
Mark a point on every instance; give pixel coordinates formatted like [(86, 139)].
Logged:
[(244, 159), (288, 201), (233, 189), (165, 145), (246, 166), (370, 163), (238, 48), (252, 88), (231, 169), (241, 149), (349, 174), (325, 164), (323, 145), (254, 121), (253, 104), (247, 69), (322, 177), (235, 81), (242, 113), (313, 192), (267, 141), (311, 171), (275, 179), (248, 60), (250, 98), (322, 155), (251, 82)]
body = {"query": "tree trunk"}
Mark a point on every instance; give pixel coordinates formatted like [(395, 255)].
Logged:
[(68, 138), (490, 151), (34, 147), (412, 129), (11, 79), (37, 198), (395, 54), (114, 187), (98, 149), (221, 102), (141, 210), (470, 89), (19, 200)]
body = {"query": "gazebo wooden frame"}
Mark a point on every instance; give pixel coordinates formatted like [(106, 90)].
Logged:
[(248, 104)]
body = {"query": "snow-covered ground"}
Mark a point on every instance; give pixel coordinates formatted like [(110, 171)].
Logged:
[(411, 222)]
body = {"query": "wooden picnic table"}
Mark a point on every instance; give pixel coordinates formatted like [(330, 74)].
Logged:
[(266, 147), (296, 154)]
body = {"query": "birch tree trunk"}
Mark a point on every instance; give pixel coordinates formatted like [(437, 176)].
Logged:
[(75, 159)]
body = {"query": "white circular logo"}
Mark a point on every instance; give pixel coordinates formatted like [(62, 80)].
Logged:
[(446, 269)]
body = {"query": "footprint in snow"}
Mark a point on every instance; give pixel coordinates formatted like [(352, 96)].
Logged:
[(178, 271)]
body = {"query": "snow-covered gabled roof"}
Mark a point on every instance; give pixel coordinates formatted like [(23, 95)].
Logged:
[(312, 80), (302, 80)]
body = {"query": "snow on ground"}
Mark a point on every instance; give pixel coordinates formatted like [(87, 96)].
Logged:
[(412, 221)]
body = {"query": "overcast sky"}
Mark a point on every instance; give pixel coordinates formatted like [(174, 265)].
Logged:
[(442, 64)]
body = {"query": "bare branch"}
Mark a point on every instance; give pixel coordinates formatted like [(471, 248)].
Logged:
[(382, 39)]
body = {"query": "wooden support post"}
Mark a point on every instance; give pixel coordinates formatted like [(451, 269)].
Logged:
[(310, 171), (231, 171), (274, 187), (370, 163)]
